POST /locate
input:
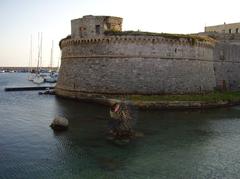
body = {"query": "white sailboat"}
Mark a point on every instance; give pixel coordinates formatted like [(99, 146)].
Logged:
[(31, 75), (52, 76), (38, 79)]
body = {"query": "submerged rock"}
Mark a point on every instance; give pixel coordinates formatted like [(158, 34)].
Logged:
[(59, 123)]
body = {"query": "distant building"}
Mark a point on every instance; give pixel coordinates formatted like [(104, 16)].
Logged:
[(233, 28)]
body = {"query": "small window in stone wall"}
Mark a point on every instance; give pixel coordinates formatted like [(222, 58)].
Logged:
[(97, 29), (221, 55), (236, 30), (230, 31), (81, 29)]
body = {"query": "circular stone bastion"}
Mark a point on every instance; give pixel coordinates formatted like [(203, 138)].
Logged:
[(122, 63)]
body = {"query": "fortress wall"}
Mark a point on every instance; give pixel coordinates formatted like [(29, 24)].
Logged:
[(135, 65), (136, 46), (227, 65)]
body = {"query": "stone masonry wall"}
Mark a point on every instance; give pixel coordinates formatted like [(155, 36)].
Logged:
[(227, 65), (135, 65)]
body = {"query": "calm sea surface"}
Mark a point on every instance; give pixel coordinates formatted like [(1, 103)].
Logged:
[(176, 144)]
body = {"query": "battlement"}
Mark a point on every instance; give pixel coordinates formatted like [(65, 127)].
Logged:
[(181, 40)]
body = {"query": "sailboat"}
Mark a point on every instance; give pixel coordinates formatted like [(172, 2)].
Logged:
[(52, 76), (31, 75), (38, 79)]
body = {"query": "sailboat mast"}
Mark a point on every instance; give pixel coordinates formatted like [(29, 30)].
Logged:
[(51, 58), (30, 55), (41, 50), (38, 53), (39, 62)]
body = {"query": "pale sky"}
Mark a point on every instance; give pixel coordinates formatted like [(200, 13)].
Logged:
[(22, 18)]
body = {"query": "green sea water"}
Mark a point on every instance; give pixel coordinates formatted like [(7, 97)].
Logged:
[(176, 144)]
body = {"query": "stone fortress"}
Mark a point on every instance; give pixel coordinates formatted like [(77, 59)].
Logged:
[(99, 58)]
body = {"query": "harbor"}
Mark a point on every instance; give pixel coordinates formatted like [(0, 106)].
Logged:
[(99, 90)]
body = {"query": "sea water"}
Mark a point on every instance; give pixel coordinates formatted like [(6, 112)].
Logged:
[(176, 144)]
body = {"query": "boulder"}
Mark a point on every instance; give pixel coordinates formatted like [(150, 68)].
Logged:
[(59, 123)]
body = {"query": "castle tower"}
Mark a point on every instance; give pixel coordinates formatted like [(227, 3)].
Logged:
[(92, 26)]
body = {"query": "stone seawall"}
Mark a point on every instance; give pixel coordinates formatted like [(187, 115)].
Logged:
[(135, 65)]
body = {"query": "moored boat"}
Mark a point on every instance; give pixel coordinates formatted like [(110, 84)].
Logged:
[(38, 79)]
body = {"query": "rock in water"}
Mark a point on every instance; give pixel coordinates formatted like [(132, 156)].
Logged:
[(59, 123)]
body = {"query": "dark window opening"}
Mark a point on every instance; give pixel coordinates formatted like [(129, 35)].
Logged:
[(236, 30), (230, 31), (80, 31), (97, 29)]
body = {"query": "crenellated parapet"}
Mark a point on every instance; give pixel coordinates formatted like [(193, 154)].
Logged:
[(130, 46), (135, 39)]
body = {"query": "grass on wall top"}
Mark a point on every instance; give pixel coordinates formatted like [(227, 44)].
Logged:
[(191, 38)]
